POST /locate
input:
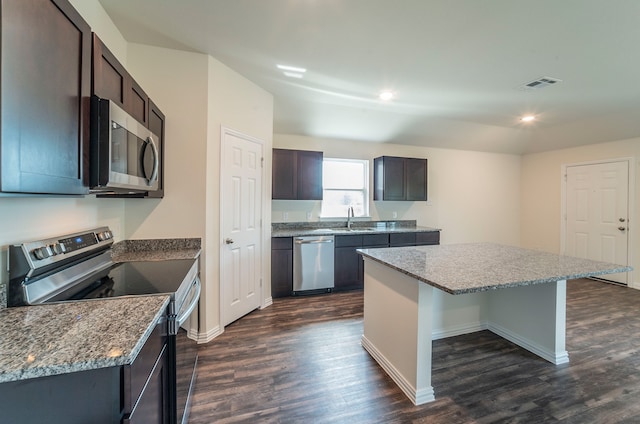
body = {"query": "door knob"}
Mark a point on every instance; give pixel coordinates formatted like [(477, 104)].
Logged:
[(229, 241), (621, 228)]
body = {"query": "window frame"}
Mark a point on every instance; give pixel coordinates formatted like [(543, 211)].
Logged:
[(365, 190)]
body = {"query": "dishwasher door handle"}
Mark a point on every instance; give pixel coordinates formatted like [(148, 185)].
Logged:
[(298, 241)]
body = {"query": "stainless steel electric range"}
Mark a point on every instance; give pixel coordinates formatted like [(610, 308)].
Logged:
[(79, 266)]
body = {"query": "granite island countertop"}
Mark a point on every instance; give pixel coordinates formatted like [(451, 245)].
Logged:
[(476, 267), (59, 338), (339, 228)]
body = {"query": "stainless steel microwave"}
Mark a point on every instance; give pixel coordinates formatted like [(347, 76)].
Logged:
[(124, 155)]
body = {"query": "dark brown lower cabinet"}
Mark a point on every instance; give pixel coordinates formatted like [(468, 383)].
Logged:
[(281, 266), (136, 393), (349, 265), (347, 262)]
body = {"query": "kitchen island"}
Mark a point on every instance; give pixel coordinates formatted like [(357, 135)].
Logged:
[(414, 295)]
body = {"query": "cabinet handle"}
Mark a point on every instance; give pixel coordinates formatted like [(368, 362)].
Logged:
[(621, 228)]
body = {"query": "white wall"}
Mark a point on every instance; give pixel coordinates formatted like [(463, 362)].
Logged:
[(198, 95), (472, 196), (100, 23), (541, 193), (238, 104)]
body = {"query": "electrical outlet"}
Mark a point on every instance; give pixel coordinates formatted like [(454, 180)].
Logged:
[(308, 216), (394, 214), (285, 215)]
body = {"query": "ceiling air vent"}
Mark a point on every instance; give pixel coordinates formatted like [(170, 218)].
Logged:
[(540, 83)]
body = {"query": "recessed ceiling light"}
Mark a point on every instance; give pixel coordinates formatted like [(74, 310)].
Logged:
[(293, 74), (386, 95), (292, 69), (528, 118)]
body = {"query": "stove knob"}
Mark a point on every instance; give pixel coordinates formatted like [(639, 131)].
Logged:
[(43, 252), (58, 248), (105, 235)]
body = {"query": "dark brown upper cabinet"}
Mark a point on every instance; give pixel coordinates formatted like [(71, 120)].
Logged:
[(46, 85), (112, 81), (297, 175), (398, 178)]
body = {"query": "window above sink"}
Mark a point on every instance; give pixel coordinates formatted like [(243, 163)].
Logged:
[(345, 183)]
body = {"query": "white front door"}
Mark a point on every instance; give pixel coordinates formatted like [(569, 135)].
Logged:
[(241, 209), (597, 213)]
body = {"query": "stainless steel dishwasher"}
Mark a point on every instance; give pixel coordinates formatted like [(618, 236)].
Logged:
[(312, 264)]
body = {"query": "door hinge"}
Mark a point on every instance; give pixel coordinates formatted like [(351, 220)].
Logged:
[(262, 162), (261, 282)]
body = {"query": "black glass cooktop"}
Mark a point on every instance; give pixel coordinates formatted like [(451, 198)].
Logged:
[(139, 278)]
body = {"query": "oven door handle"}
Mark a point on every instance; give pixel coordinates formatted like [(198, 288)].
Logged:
[(197, 286)]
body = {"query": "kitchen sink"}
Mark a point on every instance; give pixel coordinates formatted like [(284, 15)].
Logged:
[(341, 230)]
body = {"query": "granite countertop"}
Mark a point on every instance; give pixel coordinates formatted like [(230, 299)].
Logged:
[(476, 267), (155, 249), (58, 338), (296, 229)]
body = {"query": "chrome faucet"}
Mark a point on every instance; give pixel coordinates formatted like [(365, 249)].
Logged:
[(349, 216)]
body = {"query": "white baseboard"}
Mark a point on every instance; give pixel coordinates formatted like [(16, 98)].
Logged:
[(443, 333), (417, 397), (553, 357), (267, 302), (205, 337)]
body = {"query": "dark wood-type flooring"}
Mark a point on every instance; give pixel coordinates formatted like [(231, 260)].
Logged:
[(300, 361)]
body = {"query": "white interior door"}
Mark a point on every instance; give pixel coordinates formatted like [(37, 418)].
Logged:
[(241, 209), (597, 213)]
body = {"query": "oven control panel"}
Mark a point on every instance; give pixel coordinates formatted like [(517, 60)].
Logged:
[(42, 253)]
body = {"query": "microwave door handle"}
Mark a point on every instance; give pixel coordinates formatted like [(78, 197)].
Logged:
[(156, 160)]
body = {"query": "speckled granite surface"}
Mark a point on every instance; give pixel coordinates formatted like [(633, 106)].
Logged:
[(3, 296), (475, 267), (155, 249), (37, 341), (295, 229)]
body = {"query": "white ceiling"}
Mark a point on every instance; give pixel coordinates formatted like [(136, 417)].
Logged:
[(455, 65)]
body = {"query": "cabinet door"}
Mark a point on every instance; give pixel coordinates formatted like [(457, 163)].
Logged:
[(112, 81), (109, 76), (347, 266), (46, 84), (432, 237), (281, 273), (347, 263), (284, 170), (137, 102), (153, 405), (389, 180), (416, 179), (309, 175), (402, 239)]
